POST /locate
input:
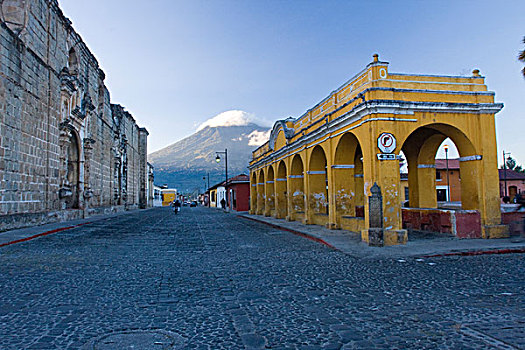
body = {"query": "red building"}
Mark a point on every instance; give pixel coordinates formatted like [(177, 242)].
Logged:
[(238, 188)]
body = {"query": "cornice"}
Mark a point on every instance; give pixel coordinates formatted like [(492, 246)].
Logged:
[(395, 107)]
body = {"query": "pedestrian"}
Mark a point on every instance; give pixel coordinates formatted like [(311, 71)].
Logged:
[(223, 203), (176, 205)]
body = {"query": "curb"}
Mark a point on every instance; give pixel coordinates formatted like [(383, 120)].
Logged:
[(479, 252), (295, 232), (42, 234)]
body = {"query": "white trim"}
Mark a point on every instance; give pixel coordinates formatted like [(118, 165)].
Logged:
[(437, 76), (343, 166), (425, 166), (269, 182), (295, 176), (469, 158), (316, 172), (431, 82)]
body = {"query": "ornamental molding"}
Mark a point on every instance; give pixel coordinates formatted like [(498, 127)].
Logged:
[(278, 126), (359, 112)]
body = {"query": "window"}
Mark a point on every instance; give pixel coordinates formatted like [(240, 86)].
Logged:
[(438, 175)]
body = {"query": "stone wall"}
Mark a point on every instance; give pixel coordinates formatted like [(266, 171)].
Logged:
[(63, 145)]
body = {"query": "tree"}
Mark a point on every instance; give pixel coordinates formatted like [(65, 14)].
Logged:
[(513, 165), (521, 57)]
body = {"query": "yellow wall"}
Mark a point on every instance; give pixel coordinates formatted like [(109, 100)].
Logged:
[(168, 196)]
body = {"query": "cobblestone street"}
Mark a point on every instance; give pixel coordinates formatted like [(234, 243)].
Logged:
[(222, 282)]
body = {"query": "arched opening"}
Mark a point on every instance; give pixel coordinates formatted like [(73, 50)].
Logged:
[(253, 193), (260, 193), (318, 187), (296, 179), (73, 171), (281, 196), (359, 184), (348, 188), (441, 177), (270, 191), (72, 62)]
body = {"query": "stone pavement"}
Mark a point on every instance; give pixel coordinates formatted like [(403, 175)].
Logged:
[(350, 242), (203, 279)]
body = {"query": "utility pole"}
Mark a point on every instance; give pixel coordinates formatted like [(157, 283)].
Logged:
[(218, 159), (505, 170)]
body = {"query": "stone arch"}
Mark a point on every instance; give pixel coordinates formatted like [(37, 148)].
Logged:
[(260, 193), (296, 179), (270, 192), (281, 195), (318, 186), (420, 148), (347, 187)]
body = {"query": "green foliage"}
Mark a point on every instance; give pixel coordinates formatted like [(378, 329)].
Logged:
[(513, 165)]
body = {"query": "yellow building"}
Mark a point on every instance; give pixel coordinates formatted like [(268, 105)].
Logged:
[(168, 195), (319, 168)]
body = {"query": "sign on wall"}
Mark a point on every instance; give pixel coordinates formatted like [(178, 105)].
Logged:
[(386, 142)]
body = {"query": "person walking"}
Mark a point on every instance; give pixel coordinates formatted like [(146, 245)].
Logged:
[(176, 205)]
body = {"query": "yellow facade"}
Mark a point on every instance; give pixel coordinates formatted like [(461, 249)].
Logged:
[(168, 196), (319, 168)]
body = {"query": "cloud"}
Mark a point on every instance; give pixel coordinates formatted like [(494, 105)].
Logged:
[(257, 138), (233, 118)]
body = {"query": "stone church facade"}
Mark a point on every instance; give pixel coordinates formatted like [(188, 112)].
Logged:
[(65, 150)]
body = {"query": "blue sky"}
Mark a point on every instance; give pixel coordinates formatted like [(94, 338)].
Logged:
[(175, 64)]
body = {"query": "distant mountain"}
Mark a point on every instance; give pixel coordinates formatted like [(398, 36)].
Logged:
[(183, 164)]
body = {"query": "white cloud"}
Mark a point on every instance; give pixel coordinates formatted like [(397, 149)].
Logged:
[(233, 118), (257, 138)]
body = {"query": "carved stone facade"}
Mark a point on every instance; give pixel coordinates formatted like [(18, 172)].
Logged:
[(65, 150)]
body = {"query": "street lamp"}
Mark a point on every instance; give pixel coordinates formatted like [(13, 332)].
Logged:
[(218, 159), (445, 147), (206, 188), (505, 170)]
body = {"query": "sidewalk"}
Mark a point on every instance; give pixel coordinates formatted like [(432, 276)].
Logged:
[(29, 233), (350, 242)]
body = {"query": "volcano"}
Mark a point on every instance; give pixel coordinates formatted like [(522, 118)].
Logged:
[(183, 164)]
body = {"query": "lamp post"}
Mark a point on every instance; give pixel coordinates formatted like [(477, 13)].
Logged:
[(206, 188), (445, 147), (218, 159), (505, 170)]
